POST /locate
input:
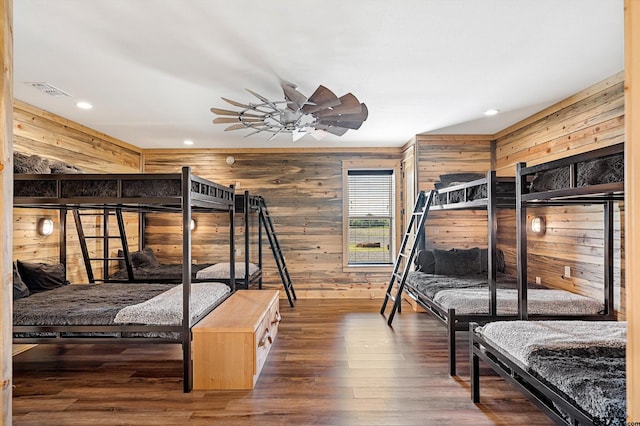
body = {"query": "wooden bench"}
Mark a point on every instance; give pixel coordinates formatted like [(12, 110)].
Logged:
[(231, 344)]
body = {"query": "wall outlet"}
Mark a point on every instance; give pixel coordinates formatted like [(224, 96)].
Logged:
[(538, 280), (567, 272), (238, 252)]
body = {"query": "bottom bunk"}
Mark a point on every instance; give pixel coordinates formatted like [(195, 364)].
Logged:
[(102, 311), (573, 370), (459, 300), (147, 269)]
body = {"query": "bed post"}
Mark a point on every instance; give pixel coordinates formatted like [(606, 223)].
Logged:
[(451, 334), (608, 258), (186, 280), (492, 236), (62, 238), (474, 366), (246, 206), (232, 238), (521, 241)]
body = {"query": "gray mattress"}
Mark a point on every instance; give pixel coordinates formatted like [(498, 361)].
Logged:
[(160, 272), (584, 360), (428, 285), (82, 304)]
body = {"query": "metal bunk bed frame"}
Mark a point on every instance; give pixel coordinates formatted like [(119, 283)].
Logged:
[(195, 194), (542, 395)]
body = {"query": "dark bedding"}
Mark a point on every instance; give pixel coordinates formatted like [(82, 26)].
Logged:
[(429, 285), (592, 172), (160, 272), (82, 304), (592, 377)]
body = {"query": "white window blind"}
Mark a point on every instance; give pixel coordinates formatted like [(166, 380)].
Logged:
[(371, 216)]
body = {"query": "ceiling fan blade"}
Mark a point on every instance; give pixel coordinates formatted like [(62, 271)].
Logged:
[(298, 134), (220, 111), (355, 125), (222, 120), (238, 104), (322, 98), (361, 116), (338, 131), (238, 126), (295, 99), (349, 104)]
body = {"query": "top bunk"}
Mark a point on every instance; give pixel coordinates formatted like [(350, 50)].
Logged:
[(592, 177), (131, 191), (478, 193)]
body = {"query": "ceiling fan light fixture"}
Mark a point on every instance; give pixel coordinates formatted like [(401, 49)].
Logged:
[(323, 112)]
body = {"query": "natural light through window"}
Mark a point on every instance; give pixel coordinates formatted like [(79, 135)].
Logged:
[(371, 217)]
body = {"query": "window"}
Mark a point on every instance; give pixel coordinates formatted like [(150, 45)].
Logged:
[(370, 216)]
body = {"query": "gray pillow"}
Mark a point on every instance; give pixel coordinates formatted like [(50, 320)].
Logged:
[(459, 262), (140, 259), (20, 289), (484, 260), (425, 262)]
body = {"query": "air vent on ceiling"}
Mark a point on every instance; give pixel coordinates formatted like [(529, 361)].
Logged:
[(48, 89)]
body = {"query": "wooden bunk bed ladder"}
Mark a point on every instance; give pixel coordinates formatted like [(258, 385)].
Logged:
[(267, 223), (408, 248), (105, 237)]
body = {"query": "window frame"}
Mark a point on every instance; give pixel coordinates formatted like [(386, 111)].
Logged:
[(386, 164)]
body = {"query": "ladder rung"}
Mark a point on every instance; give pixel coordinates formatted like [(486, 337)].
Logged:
[(106, 258), (393, 298)]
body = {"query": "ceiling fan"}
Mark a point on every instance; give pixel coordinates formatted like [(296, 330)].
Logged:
[(321, 113)]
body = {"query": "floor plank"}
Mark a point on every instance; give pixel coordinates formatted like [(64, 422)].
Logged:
[(334, 362)]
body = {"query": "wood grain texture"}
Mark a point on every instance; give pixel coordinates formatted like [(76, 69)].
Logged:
[(446, 154), (591, 119), (6, 201), (632, 198), (303, 191), (334, 362), (38, 132)]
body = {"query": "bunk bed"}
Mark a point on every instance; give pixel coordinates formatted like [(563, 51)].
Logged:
[(181, 193), (458, 297), (146, 268), (579, 381)]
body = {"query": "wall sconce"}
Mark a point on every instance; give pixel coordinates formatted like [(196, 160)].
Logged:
[(538, 226), (193, 224), (45, 226)]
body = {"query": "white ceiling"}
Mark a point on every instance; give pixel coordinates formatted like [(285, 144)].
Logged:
[(152, 69)]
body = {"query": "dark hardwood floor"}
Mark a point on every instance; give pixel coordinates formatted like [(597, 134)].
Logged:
[(335, 362)]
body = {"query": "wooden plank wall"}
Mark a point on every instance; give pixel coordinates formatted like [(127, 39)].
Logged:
[(438, 155), (6, 201), (39, 132), (303, 190), (588, 120), (632, 196)]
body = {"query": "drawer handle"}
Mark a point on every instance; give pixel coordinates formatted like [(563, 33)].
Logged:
[(267, 336), (277, 319)]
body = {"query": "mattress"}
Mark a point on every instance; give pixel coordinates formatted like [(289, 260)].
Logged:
[(160, 272), (429, 285), (584, 360), (221, 271), (539, 302), (103, 304)]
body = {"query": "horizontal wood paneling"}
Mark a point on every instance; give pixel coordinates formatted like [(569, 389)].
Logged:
[(439, 155), (591, 119), (53, 137), (303, 191)]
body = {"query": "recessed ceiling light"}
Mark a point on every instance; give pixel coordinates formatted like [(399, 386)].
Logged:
[(84, 105), (492, 111), (188, 142)]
